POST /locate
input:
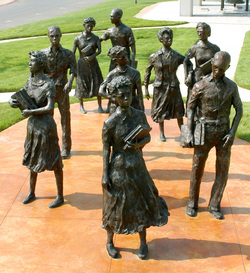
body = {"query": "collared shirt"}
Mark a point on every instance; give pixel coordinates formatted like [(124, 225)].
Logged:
[(165, 64), (135, 77), (214, 99), (58, 65), (121, 35)]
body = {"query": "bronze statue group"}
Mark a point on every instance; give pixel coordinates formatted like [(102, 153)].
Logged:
[(131, 202)]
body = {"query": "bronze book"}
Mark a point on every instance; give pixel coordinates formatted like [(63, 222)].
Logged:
[(87, 49), (199, 134), (206, 68), (139, 132), (24, 100)]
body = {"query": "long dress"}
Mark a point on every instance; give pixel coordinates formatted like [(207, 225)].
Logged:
[(41, 146), (132, 204), (167, 100), (89, 75)]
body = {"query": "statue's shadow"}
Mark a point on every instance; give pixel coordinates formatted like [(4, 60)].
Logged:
[(84, 201), (187, 249)]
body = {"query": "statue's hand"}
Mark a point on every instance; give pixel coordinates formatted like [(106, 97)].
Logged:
[(26, 113), (228, 140), (189, 140), (67, 87), (188, 80), (132, 145), (106, 183), (146, 92), (88, 58), (14, 103)]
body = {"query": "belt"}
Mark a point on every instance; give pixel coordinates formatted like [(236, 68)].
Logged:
[(222, 121)]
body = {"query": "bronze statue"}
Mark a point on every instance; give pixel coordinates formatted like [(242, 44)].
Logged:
[(130, 198), (121, 35), (202, 51), (167, 100), (42, 152), (119, 56), (213, 96), (59, 61), (89, 75)]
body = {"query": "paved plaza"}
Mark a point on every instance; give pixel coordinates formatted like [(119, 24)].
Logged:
[(70, 238)]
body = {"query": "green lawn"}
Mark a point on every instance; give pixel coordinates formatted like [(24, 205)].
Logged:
[(14, 55), (242, 72), (72, 22), (14, 69)]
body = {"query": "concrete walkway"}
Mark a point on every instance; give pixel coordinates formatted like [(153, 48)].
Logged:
[(228, 29)]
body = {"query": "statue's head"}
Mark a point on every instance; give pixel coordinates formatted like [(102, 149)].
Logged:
[(89, 24), (165, 36), (38, 61), (116, 15), (203, 30), (121, 88), (220, 63), (89, 20), (54, 34), (118, 53)]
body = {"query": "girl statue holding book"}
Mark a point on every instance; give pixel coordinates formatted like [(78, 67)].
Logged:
[(130, 198), (42, 152), (89, 75), (202, 51)]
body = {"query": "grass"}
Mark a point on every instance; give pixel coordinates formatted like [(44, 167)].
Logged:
[(242, 71), (14, 68), (14, 55), (72, 22)]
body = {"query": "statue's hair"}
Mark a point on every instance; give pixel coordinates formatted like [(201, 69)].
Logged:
[(118, 11), (54, 27), (226, 58), (40, 57), (205, 27), (89, 20), (118, 82), (162, 31), (116, 51)]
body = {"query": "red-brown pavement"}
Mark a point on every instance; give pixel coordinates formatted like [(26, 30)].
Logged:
[(70, 238)]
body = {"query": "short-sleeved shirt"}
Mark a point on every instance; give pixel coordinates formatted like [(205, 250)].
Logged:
[(58, 65), (121, 35), (213, 99)]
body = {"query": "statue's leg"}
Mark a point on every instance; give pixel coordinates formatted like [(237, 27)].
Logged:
[(180, 122), (31, 196), (199, 160), (99, 100), (162, 135), (59, 183), (64, 109), (222, 168), (143, 250), (110, 244), (82, 110)]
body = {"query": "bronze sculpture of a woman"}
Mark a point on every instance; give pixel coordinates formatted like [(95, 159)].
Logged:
[(130, 198), (42, 152)]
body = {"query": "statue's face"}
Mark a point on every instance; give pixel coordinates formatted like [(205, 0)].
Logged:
[(114, 17), (34, 65), (122, 60), (88, 27), (201, 33), (218, 67), (124, 96), (54, 36), (167, 39)]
